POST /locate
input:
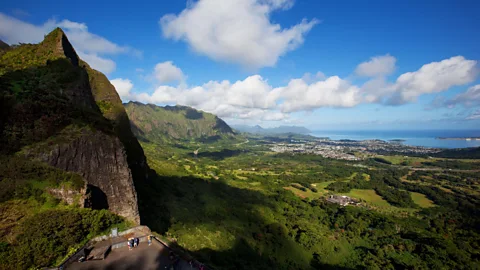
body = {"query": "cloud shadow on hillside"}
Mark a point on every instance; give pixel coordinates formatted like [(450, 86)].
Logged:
[(189, 202)]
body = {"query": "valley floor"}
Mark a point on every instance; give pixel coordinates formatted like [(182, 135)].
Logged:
[(240, 206)]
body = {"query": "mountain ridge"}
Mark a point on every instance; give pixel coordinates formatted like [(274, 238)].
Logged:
[(164, 124)]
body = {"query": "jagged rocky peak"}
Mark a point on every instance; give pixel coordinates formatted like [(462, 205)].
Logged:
[(58, 110), (58, 41)]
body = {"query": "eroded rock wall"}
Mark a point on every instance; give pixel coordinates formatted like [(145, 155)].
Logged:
[(101, 160)]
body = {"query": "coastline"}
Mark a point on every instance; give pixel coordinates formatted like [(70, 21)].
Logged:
[(459, 138), (446, 139)]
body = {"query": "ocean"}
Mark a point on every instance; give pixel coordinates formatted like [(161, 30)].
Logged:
[(426, 138)]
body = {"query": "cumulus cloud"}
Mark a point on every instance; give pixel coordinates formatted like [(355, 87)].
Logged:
[(104, 65), (238, 31), (469, 98), (308, 77), (254, 98), (251, 98), (167, 72), (123, 87), (432, 78), (89, 46), (298, 95), (376, 66)]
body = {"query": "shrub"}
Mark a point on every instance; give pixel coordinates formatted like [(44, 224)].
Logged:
[(48, 235)]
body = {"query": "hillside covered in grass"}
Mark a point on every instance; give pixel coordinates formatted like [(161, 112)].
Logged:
[(65, 140), (175, 123)]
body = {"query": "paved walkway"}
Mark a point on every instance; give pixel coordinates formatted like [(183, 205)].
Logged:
[(142, 257)]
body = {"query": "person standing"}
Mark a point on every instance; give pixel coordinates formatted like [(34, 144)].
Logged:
[(129, 242), (149, 240)]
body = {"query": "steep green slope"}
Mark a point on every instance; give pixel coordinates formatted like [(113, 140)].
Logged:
[(65, 141), (173, 123)]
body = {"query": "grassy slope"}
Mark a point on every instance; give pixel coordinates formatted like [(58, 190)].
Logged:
[(171, 124)]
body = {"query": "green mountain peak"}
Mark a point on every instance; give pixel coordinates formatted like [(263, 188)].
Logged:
[(162, 124)]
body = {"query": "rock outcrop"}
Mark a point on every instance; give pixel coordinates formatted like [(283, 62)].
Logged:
[(101, 160), (57, 109)]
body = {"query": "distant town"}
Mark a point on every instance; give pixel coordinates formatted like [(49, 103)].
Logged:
[(346, 149), (459, 138)]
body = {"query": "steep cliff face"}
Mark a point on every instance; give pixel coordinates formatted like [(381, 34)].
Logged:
[(101, 160), (56, 109)]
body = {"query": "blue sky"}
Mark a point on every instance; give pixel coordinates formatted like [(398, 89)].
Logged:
[(321, 64)]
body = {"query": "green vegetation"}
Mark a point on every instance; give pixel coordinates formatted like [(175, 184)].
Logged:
[(48, 96), (175, 123), (406, 160), (223, 197), (22, 179), (453, 164), (382, 160), (368, 195), (243, 207), (37, 229), (468, 153), (47, 236), (421, 200)]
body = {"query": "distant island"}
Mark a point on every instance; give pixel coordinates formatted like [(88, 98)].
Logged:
[(459, 138)]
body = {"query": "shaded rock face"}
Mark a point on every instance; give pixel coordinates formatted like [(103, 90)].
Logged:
[(101, 160)]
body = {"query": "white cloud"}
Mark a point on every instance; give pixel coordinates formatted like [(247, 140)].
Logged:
[(123, 87), (251, 98), (16, 31), (331, 92), (254, 98), (377, 66), (279, 4), (101, 64), (238, 31), (433, 78), (309, 78), (167, 72), (89, 46), (469, 98)]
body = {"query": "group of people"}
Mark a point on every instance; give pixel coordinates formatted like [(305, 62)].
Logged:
[(133, 242)]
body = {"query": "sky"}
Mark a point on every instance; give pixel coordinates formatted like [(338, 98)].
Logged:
[(333, 65)]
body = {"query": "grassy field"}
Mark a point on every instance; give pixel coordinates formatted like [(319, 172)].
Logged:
[(305, 194), (369, 195), (310, 194), (410, 161), (421, 200)]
